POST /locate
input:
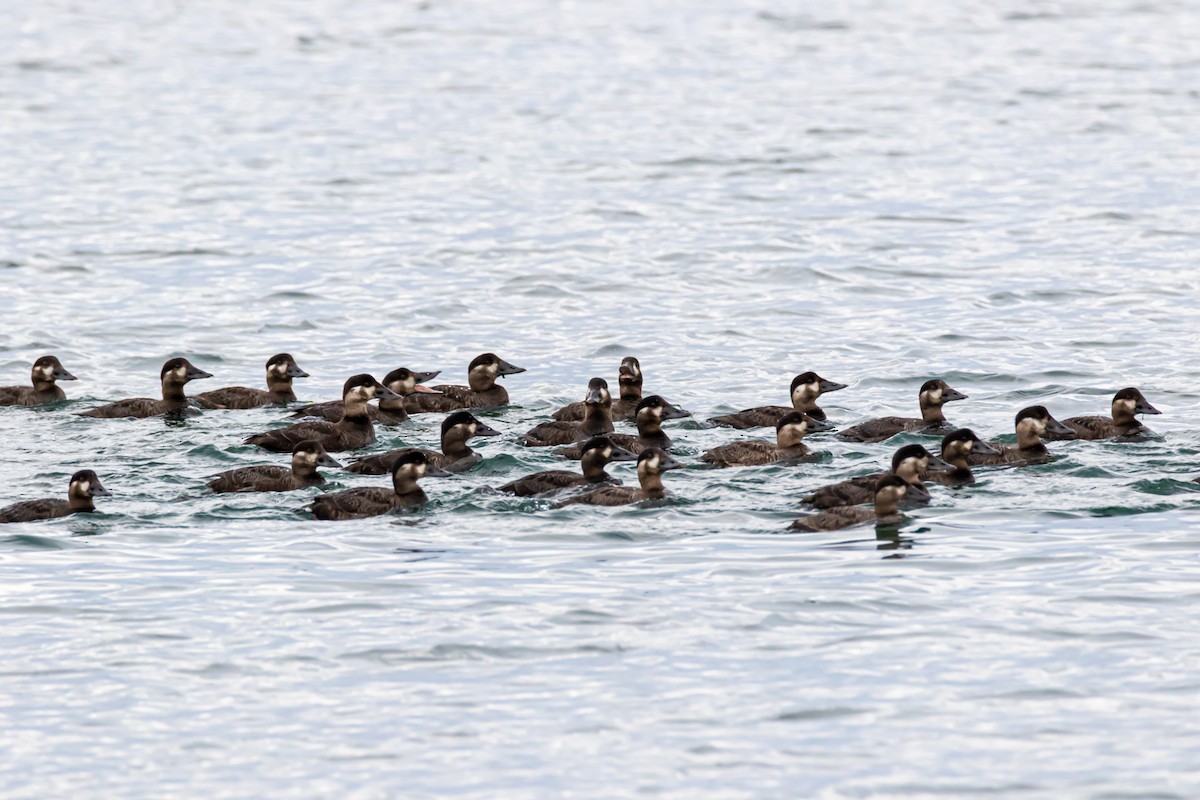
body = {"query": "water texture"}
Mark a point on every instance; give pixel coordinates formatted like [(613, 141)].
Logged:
[(1001, 194)]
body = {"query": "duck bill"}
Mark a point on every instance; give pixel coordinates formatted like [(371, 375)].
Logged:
[(384, 393), (818, 425), (419, 389), (485, 430), (621, 454), (295, 372), (436, 472), (939, 465), (984, 449), (195, 373), (328, 461), (61, 374), (1142, 407), (669, 463), (98, 490), (916, 493), (830, 386), (1055, 427), (422, 377), (508, 369), (595, 397), (675, 412), (952, 394)]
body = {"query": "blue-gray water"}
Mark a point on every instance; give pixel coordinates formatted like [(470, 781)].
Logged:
[(1002, 194)]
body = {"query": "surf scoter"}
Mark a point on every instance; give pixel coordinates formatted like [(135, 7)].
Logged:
[(1032, 424), (371, 502), (597, 419), (174, 375), (352, 431), (932, 396), (281, 369), (889, 491), (957, 447), (306, 457), (456, 456), (46, 370), (806, 388), (597, 453), (482, 390), (652, 411), (1123, 423), (83, 487), (787, 446), (913, 463), (629, 385), (402, 381), (652, 463)]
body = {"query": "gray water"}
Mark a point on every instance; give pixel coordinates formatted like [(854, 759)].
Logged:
[(1001, 194)]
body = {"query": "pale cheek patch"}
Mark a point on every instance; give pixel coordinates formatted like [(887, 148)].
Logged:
[(81, 488)]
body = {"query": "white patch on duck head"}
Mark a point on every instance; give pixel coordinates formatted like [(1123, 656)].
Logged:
[(1128, 405), (80, 488), (403, 386), (278, 368), (1031, 427), (931, 397)]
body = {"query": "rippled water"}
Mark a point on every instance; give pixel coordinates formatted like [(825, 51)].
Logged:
[(1000, 194)]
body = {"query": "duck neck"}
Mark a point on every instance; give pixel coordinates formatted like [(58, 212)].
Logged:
[(406, 486), (885, 505), (455, 444), (593, 464), (355, 411), (1122, 417), (788, 437), (281, 389), (631, 391), (303, 470), (597, 419), (173, 395), (481, 380), (651, 483), (932, 412), (78, 501)]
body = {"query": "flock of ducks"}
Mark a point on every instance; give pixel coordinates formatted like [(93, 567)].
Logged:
[(584, 430)]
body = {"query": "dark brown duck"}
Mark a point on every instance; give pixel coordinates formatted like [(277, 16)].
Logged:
[(482, 390), (652, 463), (281, 369), (44, 389), (598, 452), (597, 419), (352, 431), (306, 457), (456, 456), (957, 448), (83, 487), (629, 384), (1032, 424), (788, 444), (913, 463), (1123, 423), (890, 490), (652, 411), (806, 388), (371, 502), (932, 396), (402, 381), (174, 375)]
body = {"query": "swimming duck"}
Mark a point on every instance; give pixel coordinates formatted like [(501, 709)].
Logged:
[(174, 376), (457, 429), (597, 453), (932, 395), (352, 431), (371, 502), (956, 447), (652, 463), (46, 370), (306, 457), (482, 391), (597, 419), (1032, 424), (281, 369), (786, 447), (629, 384), (652, 411), (1123, 423), (913, 463), (889, 491), (402, 381), (83, 487), (806, 388)]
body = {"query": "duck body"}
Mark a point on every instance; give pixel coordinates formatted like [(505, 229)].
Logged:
[(352, 431), (482, 390), (302, 473), (932, 396), (1123, 424), (175, 374), (403, 381), (597, 453), (43, 388), (456, 456), (787, 445), (806, 388), (281, 369), (83, 487), (371, 501), (889, 491), (912, 463), (651, 464)]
